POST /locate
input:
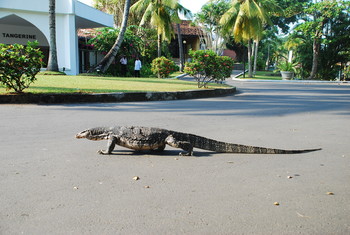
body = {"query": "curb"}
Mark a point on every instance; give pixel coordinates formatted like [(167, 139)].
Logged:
[(286, 81), (181, 75), (30, 98)]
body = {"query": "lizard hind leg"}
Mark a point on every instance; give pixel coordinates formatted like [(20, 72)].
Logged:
[(159, 148), (185, 145)]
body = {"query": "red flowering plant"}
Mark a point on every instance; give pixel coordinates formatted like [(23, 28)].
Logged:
[(207, 67), (19, 64), (163, 67)]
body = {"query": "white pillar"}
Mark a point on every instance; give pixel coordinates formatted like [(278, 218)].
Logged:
[(290, 56)]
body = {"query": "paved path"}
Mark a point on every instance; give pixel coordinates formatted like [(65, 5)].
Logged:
[(51, 183)]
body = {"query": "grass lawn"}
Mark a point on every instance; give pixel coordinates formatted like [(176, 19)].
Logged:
[(266, 75), (95, 84)]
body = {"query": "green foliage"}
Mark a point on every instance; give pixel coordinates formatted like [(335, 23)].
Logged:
[(160, 14), (346, 73), (302, 51), (146, 71), (209, 18), (261, 61), (19, 64), (211, 13), (115, 8), (206, 66), (318, 14), (246, 19), (326, 25), (292, 10), (287, 66), (163, 67), (137, 41), (337, 49)]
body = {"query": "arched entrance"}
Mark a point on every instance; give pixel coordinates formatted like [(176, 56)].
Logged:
[(14, 29)]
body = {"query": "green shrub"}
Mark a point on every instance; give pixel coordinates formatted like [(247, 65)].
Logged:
[(206, 66), (19, 64), (146, 71), (138, 42), (163, 67)]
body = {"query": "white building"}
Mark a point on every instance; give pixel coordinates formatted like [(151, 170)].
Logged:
[(23, 20)]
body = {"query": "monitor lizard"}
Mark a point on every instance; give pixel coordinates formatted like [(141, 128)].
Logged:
[(150, 138)]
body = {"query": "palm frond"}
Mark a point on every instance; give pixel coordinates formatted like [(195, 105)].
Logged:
[(147, 15), (140, 5)]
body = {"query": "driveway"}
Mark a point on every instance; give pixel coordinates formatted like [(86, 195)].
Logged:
[(52, 183)]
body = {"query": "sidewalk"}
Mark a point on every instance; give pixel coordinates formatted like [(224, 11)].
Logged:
[(236, 73)]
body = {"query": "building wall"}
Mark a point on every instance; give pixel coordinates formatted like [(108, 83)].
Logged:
[(10, 34), (19, 17), (39, 6)]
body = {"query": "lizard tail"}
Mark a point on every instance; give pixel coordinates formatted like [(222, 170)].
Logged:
[(223, 147)]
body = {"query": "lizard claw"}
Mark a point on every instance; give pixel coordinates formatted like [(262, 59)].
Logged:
[(102, 152), (185, 154)]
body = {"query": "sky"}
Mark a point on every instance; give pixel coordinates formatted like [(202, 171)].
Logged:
[(192, 5)]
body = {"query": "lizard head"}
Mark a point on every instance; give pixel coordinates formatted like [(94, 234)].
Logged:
[(98, 133)]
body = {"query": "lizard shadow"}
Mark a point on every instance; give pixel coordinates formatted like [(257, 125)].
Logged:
[(165, 153)]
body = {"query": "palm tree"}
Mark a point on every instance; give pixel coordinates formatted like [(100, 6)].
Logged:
[(161, 14), (108, 59), (181, 49), (115, 8), (246, 19), (187, 14), (52, 64)]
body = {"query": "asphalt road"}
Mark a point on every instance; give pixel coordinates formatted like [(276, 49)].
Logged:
[(52, 183)]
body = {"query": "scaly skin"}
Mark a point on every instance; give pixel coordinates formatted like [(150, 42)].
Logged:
[(149, 138)]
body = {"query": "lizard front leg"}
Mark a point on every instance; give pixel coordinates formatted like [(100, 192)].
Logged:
[(185, 145), (110, 146)]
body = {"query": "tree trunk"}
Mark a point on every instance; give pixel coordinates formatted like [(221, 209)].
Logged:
[(52, 64), (316, 52), (316, 49), (159, 45), (268, 58), (181, 49), (108, 59), (255, 56), (250, 71)]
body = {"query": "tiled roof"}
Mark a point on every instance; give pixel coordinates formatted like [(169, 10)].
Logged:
[(86, 33), (188, 29)]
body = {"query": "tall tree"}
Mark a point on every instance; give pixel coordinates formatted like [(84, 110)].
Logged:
[(292, 12), (115, 8), (52, 64), (246, 20), (209, 17), (161, 14), (270, 43), (324, 36), (188, 14), (181, 49), (110, 56), (319, 13)]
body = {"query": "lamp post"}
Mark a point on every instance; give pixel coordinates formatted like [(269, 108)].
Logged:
[(184, 49)]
